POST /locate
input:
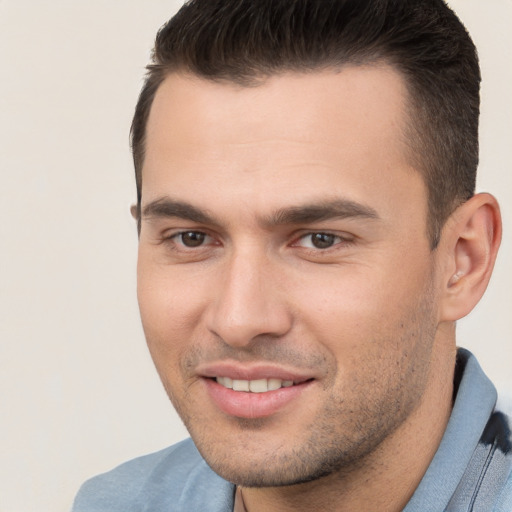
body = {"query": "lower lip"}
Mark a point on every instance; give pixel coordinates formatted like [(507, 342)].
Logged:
[(243, 404)]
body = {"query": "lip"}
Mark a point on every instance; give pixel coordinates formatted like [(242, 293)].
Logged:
[(249, 405), (252, 372)]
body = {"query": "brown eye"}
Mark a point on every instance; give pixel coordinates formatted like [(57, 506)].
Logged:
[(322, 240), (192, 238)]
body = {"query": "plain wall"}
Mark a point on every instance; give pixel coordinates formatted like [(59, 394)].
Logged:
[(78, 392)]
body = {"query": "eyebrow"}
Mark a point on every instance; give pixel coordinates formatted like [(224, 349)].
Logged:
[(167, 207), (325, 210), (300, 214)]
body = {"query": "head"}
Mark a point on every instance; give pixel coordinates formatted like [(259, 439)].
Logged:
[(298, 167), (245, 42)]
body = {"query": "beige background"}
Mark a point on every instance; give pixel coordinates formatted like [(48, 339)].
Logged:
[(78, 393)]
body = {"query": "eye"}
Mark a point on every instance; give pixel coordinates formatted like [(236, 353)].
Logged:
[(191, 239), (319, 240)]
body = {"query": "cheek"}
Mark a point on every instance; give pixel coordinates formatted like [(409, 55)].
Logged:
[(344, 303), (170, 309), (369, 312)]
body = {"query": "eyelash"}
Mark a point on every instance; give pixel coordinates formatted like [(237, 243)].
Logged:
[(176, 236), (336, 240)]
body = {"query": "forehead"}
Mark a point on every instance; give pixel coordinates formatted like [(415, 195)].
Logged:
[(337, 132), (283, 105)]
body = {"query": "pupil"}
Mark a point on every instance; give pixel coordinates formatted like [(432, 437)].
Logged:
[(192, 239), (322, 240)]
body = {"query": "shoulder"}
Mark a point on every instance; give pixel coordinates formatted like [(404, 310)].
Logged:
[(171, 479), (504, 445), (504, 503)]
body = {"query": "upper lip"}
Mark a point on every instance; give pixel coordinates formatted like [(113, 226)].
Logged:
[(251, 371)]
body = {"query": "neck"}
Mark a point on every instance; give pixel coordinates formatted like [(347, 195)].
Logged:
[(388, 477)]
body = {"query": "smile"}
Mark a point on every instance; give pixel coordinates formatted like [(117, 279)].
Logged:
[(254, 398), (253, 386)]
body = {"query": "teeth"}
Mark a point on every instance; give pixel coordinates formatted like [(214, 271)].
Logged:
[(254, 386), (226, 382), (258, 386), (273, 384), (240, 385)]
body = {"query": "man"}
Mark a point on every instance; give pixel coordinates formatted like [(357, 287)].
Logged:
[(309, 235)]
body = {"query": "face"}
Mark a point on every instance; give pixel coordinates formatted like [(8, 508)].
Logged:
[(285, 279)]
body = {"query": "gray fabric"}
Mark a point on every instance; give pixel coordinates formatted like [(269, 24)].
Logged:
[(176, 479), (461, 461), (488, 468), (471, 471)]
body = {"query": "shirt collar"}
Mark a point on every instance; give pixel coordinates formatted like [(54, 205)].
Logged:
[(474, 403)]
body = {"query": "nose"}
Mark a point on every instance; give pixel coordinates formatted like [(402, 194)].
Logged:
[(249, 302)]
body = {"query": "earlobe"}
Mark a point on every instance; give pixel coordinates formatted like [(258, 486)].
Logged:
[(471, 239)]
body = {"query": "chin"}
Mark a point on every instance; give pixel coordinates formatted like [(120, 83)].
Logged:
[(252, 464)]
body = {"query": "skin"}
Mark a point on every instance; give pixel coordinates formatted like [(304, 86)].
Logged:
[(368, 317)]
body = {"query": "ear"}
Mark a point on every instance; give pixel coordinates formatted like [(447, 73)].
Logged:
[(134, 211), (469, 246)]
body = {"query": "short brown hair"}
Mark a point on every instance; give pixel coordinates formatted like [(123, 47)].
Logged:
[(245, 41)]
